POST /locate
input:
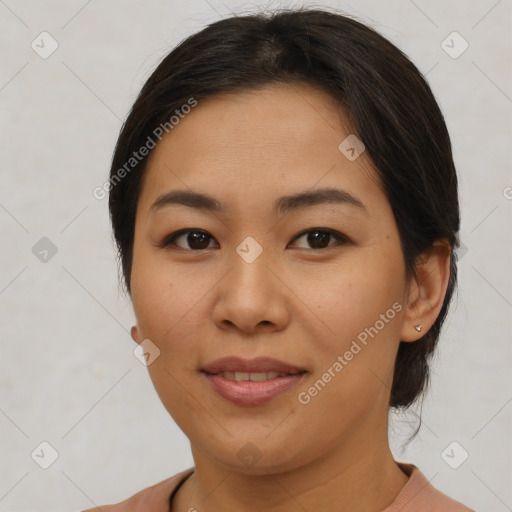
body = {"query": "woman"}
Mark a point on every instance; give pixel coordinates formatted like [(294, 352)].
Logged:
[(284, 201)]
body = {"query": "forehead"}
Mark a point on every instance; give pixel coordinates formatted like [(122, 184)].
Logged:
[(281, 135), (286, 115)]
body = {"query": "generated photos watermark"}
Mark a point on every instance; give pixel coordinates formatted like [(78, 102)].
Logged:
[(101, 192), (305, 397)]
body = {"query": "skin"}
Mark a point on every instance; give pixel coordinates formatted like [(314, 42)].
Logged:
[(296, 303)]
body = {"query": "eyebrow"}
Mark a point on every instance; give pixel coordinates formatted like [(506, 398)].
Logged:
[(284, 204)]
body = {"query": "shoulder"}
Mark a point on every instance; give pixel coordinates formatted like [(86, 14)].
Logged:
[(419, 495), (154, 498)]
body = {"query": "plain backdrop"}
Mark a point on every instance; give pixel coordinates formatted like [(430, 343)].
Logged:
[(69, 377)]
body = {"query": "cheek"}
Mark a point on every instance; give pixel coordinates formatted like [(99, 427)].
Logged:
[(170, 303), (359, 305), (351, 295), (161, 294), (167, 316)]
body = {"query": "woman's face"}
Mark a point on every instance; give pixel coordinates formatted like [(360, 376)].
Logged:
[(252, 280)]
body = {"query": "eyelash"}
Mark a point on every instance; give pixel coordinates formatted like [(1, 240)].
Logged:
[(339, 237)]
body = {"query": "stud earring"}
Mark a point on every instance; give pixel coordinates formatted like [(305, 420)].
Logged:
[(418, 327)]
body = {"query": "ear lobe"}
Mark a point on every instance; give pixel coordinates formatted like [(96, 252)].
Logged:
[(134, 332), (427, 291)]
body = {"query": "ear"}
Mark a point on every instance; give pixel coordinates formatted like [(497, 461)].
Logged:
[(426, 291), (134, 331)]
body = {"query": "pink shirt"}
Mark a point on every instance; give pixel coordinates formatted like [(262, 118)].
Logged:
[(418, 495)]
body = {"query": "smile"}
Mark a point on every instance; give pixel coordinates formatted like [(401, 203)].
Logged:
[(253, 377)]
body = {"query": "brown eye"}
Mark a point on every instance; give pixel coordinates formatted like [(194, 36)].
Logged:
[(318, 238), (196, 240)]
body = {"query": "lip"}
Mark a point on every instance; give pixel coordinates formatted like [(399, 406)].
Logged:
[(259, 364), (249, 392), (252, 393)]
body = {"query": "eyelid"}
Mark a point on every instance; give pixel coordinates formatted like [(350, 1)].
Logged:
[(340, 237), (337, 235), (333, 232), (169, 239)]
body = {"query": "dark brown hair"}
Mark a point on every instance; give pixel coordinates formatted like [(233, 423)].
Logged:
[(386, 99)]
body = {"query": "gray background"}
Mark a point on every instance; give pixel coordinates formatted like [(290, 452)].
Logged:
[(68, 373)]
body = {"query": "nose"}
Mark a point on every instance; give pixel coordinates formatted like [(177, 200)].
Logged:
[(252, 297)]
